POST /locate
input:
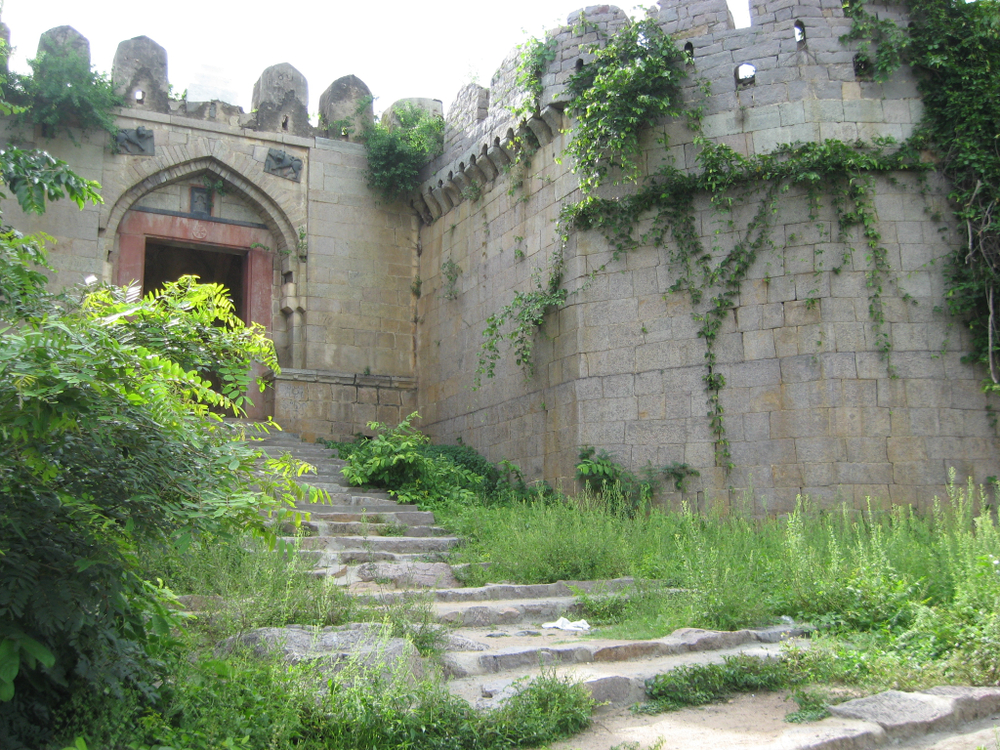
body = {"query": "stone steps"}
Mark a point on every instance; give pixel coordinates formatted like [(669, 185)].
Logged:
[(496, 641), (358, 536)]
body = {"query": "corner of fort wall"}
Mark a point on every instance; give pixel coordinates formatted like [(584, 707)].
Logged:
[(810, 404)]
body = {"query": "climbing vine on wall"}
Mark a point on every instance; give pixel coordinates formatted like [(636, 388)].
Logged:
[(953, 45), (632, 82), (713, 276), (954, 48)]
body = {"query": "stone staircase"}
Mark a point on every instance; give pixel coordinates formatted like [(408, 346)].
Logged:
[(362, 537), (393, 554)]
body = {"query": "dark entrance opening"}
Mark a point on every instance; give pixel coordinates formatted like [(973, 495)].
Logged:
[(212, 265)]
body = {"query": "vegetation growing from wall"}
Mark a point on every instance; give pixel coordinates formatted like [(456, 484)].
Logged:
[(63, 92), (713, 276), (398, 149), (632, 82), (954, 48)]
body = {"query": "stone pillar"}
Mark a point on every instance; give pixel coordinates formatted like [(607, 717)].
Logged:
[(64, 40), (139, 73), (280, 99), (432, 106), (346, 108)]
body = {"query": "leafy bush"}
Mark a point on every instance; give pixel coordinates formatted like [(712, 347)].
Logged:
[(107, 442), (394, 459), (632, 82), (698, 684), (397, 152), (63, 92)]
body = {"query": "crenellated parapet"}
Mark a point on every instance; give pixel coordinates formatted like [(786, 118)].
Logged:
[(786, 78)]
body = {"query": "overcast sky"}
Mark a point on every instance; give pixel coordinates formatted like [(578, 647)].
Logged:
[(218, 49)]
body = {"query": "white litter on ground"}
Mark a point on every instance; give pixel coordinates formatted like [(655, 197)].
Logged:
[(563, 624)]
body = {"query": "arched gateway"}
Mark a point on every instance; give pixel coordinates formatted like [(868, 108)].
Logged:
[(202, 218)]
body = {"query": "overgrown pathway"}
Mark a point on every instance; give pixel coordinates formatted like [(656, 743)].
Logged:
[(388, 552)]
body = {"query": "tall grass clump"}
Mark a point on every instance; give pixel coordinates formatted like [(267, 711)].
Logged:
[(241, 583)]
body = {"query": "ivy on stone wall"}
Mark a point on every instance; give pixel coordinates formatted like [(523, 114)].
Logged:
[(632, 82), (954, 48), (840, 172)]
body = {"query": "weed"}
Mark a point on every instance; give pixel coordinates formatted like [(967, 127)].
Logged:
[(812, 706)]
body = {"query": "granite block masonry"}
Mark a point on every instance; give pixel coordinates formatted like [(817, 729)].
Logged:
[(280, 211)]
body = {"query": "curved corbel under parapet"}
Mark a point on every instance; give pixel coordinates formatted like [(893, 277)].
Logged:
[(481, 164), (281, 209)]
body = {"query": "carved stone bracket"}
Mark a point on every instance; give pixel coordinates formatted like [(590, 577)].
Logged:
[(282, 164), (135, 142)]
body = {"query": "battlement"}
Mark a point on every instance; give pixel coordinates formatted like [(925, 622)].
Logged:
[(790, 54), (280, 96), (787, 77)]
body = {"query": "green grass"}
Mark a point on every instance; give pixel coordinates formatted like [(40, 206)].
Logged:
[(900, 601)]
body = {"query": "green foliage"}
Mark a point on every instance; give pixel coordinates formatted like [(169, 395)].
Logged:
[(394, 459), (242, 583), (63, 92), (535, 56), (397, 152), (954, 48), (525, 313), (698, 684), (632, 82), (833, 168), (107, 442), (450, 271), (34, 177), (254, 704)]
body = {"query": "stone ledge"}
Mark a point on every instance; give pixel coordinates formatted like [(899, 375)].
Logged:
[(338, 378)]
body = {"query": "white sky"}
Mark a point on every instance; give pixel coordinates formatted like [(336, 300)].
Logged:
[(218, 48)]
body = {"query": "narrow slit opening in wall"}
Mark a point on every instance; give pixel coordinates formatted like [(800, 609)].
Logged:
[(140, 96), (284, 122), (578, 64), (286, 277), (800, 33), (689, 53), (746, 75)]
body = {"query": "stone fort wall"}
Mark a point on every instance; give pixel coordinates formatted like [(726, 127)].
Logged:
[(334, 273), (810, 406)]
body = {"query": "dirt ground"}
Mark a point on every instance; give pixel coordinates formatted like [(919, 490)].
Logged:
[(743, 722)]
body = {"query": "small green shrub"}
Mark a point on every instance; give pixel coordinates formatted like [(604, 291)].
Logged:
[(698, 684), (63, 92), (396, 153), (394, 459)]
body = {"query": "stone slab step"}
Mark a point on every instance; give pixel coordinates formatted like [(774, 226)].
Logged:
[(356, 502), (369, 509), (579, 650), (610, 683), (475, 613), (394, 544), (408, 517), (314, 528)]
